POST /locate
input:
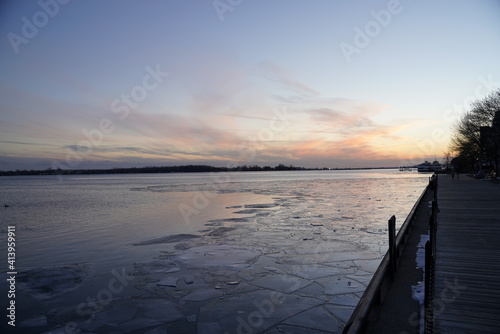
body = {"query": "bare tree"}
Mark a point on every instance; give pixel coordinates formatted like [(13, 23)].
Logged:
[(476, 136), (447, 158)]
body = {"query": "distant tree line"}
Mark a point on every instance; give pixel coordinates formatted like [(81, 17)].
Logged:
[(151, 169), (476, 136)]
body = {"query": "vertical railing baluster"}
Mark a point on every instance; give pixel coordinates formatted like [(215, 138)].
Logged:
[(429, 290), (392, 243)]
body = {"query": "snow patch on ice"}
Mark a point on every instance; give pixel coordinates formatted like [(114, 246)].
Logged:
[(418, 291), (420, 258)]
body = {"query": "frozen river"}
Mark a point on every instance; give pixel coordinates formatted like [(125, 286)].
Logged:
[(244, 252)]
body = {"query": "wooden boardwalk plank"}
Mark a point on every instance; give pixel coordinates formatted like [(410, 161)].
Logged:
[(467, 295)]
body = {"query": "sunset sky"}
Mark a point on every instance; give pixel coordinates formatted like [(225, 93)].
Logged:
[(325, 83)]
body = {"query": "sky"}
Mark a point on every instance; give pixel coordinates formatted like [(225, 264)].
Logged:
[(325, 83)]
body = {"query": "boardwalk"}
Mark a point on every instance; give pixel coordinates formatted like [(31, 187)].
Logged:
[(467, 298)]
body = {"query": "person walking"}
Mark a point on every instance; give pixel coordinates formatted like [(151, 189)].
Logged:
[(453, 172)]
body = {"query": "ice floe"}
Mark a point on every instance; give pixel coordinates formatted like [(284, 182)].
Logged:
[(221, 231), (159, 309), (168, 281), (155, 267), (281, 283), (168, 239), (218, 256), (46, 283), (261, 206), (202, 294), (37, 321)]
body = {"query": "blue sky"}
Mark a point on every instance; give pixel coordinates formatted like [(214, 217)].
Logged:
[(103, 84)]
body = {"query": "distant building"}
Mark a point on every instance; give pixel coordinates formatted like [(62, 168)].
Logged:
[(490, 142)]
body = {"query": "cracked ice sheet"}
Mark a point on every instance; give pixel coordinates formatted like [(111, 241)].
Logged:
[(328, 259), (316, 318), (202, 294), (314, 271), (340, 285), (226, 256), (252, 312), (159, 309), (322, 249), (341, 312), (282, 283), (116, 316), (136, 313), (367, 265)]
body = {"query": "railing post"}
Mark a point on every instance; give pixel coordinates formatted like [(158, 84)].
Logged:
[(435, 187), (392, 243), (429, 289), (433, 227)]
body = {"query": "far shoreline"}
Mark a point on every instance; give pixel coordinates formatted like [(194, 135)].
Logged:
[(176, 169)]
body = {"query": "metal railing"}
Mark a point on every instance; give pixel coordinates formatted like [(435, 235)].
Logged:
[(430, 264)]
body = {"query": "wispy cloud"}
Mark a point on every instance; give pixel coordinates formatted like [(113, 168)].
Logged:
[(275, 73), (27, 143), (216, 126)]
